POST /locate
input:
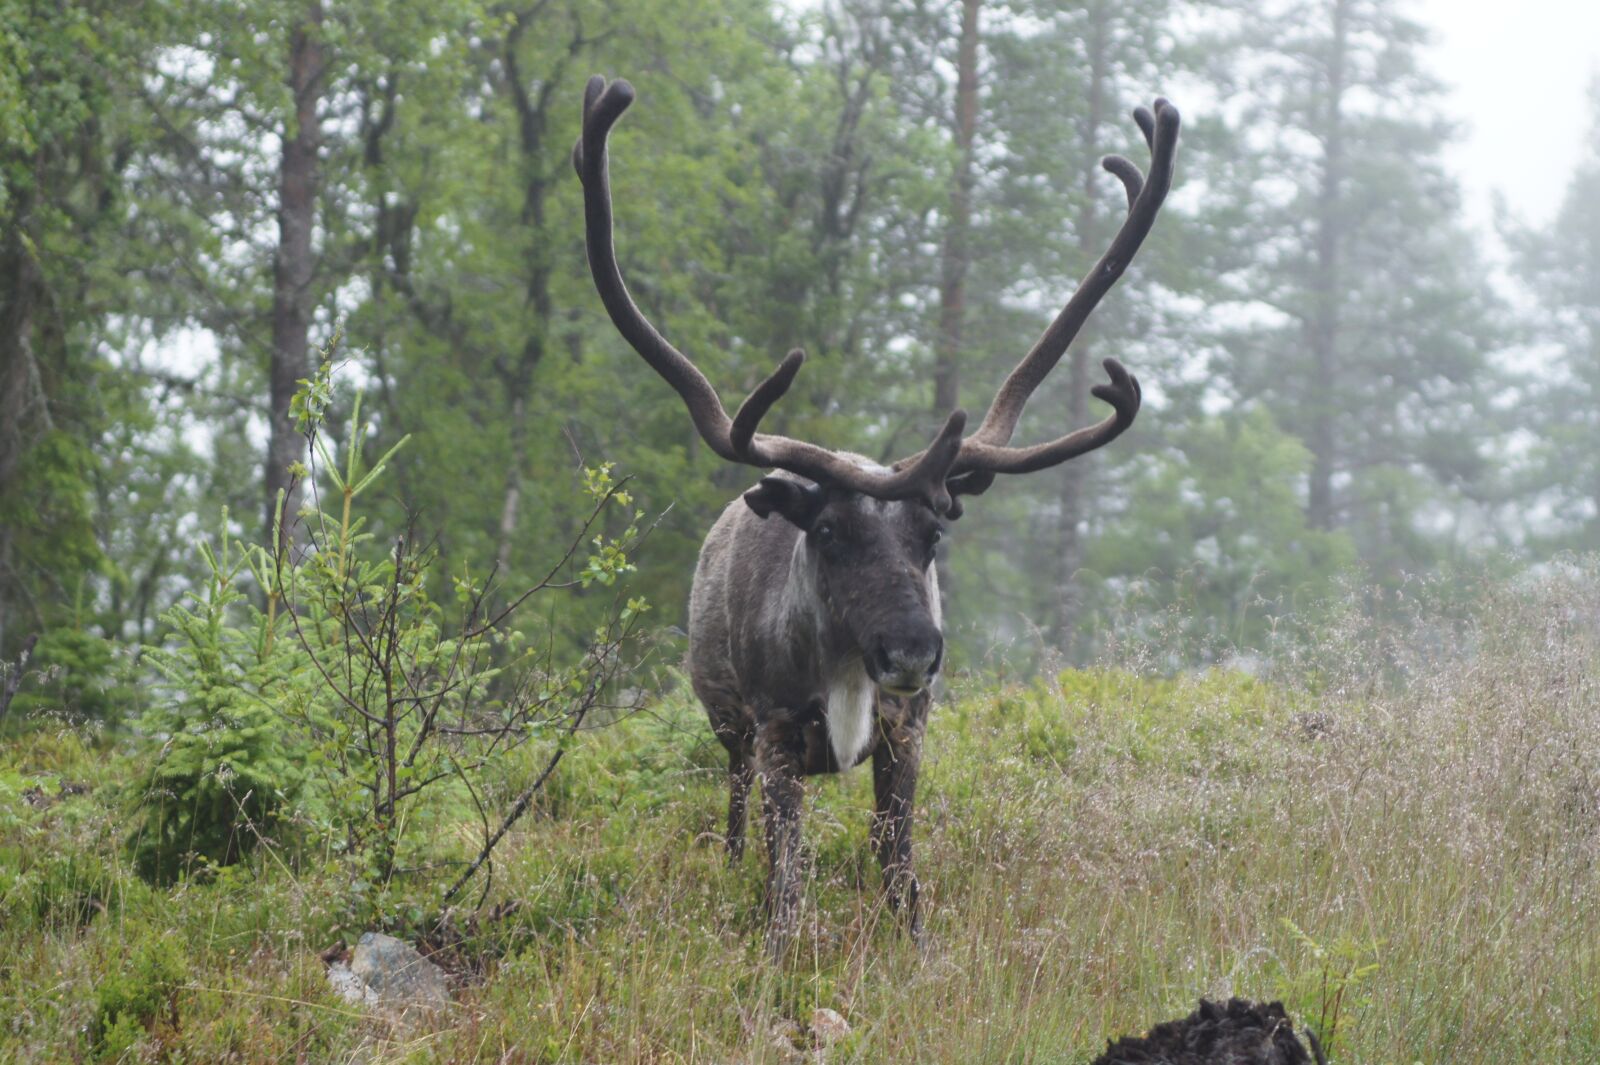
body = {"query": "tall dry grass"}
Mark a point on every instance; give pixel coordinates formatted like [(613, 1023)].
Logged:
[(1394, 828)]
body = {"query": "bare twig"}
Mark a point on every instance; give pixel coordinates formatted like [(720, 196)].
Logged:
[(513, 815)]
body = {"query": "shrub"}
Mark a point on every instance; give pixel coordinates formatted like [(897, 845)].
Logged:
[(75, 674), (59, 890), (227, 771), (354, 702), (1327, 984), (134, 999)]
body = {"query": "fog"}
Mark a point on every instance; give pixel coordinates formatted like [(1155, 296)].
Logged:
[(1364, 323), (1517, 74)]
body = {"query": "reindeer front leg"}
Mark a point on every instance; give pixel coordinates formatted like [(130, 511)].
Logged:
[(779, 752), (895, 761)]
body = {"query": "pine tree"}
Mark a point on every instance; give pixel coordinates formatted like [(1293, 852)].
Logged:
[(1562, 265), (1377, 313), (70, 126)]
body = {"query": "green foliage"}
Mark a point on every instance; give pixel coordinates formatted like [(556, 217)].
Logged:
[(1375, 360), (609, 559), (1097, 849), (66, 134), (645, 764), (789, 186), (227, 771), (1562, 470), (221, 783), (1215, 534), (77, 675), (1326, 984), (1101, 845), (138, 995), (62, 891), (46, 526), (357, 713), (1190, 723)]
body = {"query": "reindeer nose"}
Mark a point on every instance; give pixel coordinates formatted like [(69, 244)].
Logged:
[(907, 662)]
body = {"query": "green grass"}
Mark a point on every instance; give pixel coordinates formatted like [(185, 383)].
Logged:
[(1413, 873)]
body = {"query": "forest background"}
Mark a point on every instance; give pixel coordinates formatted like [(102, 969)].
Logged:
[(1346, 381)]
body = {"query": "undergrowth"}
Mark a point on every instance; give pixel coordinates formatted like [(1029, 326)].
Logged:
[(1409, 865)]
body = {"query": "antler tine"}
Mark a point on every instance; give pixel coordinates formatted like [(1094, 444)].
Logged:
[(768, 392), (1123, 393), (733, 439), (929, 475), (1130, 176), (986, 453), (603, 105), (1162, 131), (1147, 121)]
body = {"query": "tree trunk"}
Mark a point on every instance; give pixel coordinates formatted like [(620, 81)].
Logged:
[(24, 408), (954, 256), (1323, 327), (298, 186), (511, 500), (1074, 475), (516, 374)]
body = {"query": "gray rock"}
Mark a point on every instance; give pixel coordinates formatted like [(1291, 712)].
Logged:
[(783, 1037), (392, 974), (349, 987), (828, 1027)]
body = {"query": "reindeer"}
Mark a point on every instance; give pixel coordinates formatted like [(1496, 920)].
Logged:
[(814, 639)]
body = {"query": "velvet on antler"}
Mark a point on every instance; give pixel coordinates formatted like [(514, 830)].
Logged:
[(950, 466), (986, 452), (734, 439)]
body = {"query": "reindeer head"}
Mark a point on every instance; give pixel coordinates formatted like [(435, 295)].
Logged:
[(870, 564)]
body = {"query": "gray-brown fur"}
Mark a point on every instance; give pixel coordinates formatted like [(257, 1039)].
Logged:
[(814, 625), (775, 619)]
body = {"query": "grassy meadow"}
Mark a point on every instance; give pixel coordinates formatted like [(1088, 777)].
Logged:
[(1393, 830)]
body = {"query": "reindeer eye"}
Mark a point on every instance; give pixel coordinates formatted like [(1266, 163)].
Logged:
[(824, 533)]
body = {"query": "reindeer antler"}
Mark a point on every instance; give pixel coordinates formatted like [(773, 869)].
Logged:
[(950, 466), (985, 453), (734, 439)]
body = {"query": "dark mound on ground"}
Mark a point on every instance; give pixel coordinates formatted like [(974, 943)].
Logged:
[(1233, 1033)]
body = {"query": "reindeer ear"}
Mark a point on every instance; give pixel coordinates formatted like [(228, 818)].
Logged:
[(798, 503)]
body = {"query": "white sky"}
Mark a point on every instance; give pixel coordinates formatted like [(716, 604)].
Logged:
[(1518, 72)]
